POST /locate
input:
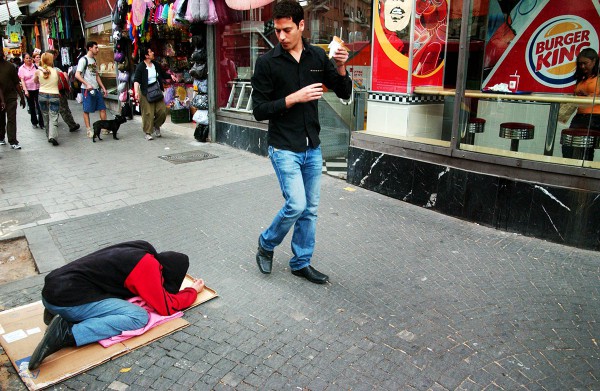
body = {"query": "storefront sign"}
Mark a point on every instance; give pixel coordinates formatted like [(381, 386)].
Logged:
[(408, 44), (544, 53)]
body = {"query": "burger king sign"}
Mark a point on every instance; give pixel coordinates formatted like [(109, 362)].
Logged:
[(544, 52), (553, 48)]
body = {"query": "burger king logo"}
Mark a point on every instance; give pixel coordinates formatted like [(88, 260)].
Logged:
[(553, 48)]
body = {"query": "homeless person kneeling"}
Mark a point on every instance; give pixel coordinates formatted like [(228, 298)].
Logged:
[(88, 297)]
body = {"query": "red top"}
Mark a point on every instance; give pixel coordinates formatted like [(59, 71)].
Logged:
[(146, 281)]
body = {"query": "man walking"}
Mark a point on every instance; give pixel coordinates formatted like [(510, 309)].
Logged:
[(93, 97), (11, 88), (287, 83)]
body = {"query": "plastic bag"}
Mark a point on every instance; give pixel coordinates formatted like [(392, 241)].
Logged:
[(201, 133), (79, 98), (198, 71), (201, 86), (123, 77), (169, 95), (201, 117), (199, 55), (200, 102)]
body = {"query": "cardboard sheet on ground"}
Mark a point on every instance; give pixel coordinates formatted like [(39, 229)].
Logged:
[(22, 328)]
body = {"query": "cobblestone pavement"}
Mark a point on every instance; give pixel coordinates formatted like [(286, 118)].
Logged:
[(417, 300)]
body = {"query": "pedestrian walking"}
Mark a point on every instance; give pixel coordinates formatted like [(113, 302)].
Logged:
[(31, 89), (287, 83), (64, 90), (92, 89), (148, 84), (47, 76), (11, 88)]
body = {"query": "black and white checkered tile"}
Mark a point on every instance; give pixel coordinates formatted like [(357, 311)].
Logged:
[(337, 167), (405, 99)]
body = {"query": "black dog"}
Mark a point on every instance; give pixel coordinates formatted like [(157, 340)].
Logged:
[(108, 124)]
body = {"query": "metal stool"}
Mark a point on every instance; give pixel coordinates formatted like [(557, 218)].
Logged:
[(579, 143), (516, 131), (475, 125)]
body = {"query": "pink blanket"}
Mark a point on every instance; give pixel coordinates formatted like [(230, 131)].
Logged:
[(154, 320)]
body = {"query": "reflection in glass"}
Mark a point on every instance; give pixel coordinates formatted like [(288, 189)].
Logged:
[(247, 34)]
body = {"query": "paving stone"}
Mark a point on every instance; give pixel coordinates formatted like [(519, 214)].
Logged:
[(417, 300)]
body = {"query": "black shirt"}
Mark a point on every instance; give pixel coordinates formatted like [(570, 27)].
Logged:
[(276, 75)]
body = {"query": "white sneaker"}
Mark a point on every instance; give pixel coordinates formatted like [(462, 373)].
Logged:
[(15, 146), (156, 132), (105, 131), (148, 137), (2, 142), (90, 133)]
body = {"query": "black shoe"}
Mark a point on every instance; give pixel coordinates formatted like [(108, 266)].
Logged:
[(75, 128), (53, 141), (312, 275), (48, 316), (264, 259), (57, 336)]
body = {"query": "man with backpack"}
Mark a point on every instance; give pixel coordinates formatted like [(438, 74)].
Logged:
[(92, 89)]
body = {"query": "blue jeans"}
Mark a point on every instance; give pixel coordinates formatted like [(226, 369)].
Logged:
[(101, 319), (299, 175), (50, 104)]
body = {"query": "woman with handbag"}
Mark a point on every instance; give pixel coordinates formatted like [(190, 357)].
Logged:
[(48, 78), (64, 88), (148, 87), (31, 89)]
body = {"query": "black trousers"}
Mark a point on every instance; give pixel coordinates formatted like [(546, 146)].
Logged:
[(34, 108)]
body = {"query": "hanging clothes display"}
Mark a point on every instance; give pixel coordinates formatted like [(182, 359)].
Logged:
[(167, 27), (37, 37)]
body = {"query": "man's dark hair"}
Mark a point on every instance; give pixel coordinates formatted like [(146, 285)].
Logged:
[(91, 44), (289, 9), (591, 54)]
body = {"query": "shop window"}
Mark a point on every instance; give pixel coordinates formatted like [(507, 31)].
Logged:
[(534, 103), (249, 34), (102, 34), (521, 95)]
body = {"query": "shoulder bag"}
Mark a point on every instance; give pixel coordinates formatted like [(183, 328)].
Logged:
[(154, 93)]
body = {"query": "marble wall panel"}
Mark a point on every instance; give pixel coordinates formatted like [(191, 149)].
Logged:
[(566, 216), (451, 192), (513, 205), (242, 137)]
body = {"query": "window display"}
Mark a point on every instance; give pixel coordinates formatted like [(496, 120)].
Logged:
[(249, 33), (542, 55), (526, 59)]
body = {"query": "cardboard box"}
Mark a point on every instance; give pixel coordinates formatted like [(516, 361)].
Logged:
[(22, 328)]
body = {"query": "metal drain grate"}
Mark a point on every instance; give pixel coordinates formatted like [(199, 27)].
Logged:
[(187, 157)]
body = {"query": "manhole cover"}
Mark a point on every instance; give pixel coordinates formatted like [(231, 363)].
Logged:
[(187, 157), (21, 216), (16, 261)]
